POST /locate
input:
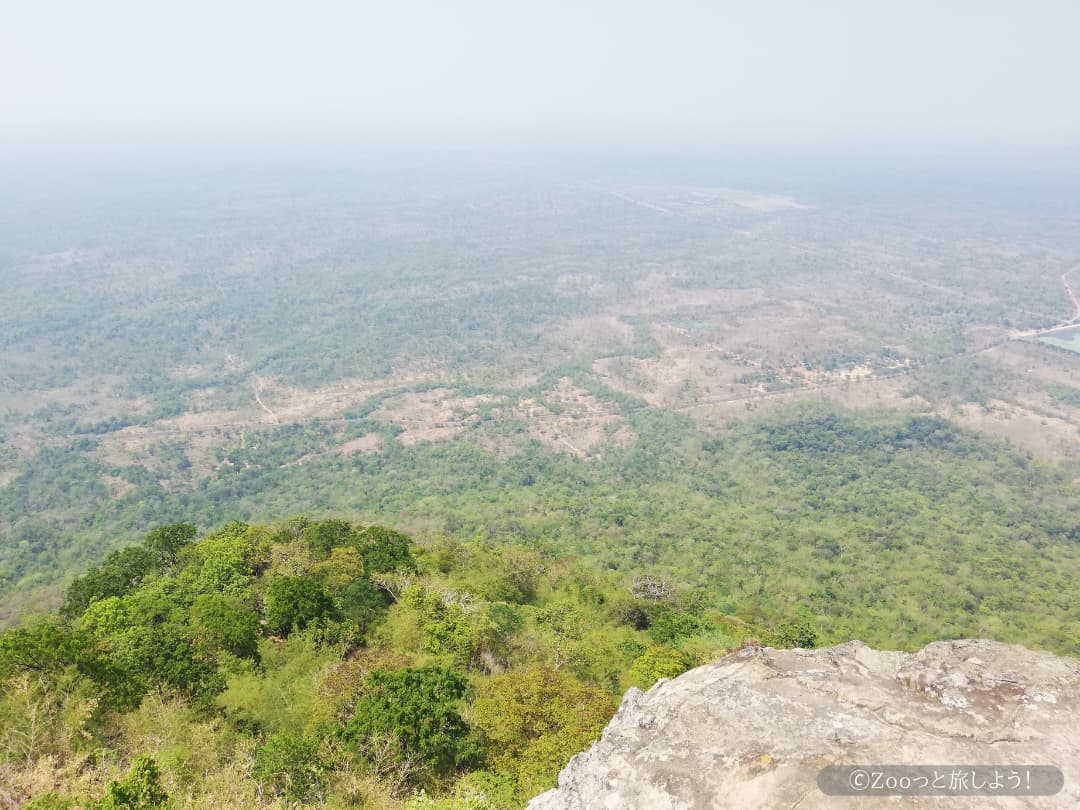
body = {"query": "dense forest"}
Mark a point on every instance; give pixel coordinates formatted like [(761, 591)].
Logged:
[(620, 425), (323, 660), (898, 530), (332, 661), (205, 345)]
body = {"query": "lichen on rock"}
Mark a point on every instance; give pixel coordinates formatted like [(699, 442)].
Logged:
[(754, 729)]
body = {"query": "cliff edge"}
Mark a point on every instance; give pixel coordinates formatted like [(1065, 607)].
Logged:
[(756, 728)]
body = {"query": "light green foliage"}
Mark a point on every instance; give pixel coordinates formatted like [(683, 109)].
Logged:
[(564, 623), (669, 626), (894, 530), (124, 570), (656, 663), (448, 630), (340, 569), (139, 790), (466, 631), (228, 558), (488, 789), (106, 617), (497, 574), (496, 624), (531, 718), (161, 599), (50, 801), (410, 678), (290, 766), (190, 748), (45, 716), (279, 695), (463, 798), (121, 572)]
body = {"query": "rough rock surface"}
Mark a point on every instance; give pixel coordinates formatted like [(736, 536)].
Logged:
[(755, 728)]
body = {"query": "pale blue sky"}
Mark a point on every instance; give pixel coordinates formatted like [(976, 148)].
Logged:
[(826, 71)]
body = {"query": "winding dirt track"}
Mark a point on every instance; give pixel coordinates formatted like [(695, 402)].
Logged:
[(257, 384), (1069, 324), (1072, 295)]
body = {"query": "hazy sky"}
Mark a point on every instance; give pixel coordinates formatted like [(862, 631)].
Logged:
[(811, 71)]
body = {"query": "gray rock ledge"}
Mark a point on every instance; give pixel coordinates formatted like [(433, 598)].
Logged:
[(754, 729)]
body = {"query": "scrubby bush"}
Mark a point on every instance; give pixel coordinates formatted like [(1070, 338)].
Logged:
[(289, 765), (140, 790)]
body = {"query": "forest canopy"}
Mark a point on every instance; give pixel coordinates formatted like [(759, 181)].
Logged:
[(325, 660), (328, 660)]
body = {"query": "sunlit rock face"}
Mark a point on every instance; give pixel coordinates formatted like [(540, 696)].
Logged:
[(756, 728)]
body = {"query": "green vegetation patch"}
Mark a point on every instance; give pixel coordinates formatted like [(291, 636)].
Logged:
[(1063, 339), (328, 661)]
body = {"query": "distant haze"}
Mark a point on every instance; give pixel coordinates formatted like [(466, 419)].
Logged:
[(812, 72)]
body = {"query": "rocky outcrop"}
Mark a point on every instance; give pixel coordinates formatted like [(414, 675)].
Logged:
[(756, 728)]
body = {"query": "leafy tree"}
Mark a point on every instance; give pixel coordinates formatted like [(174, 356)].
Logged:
[(289, 765), (106, 617), (535, 720), (325, 535), (220, 622), (43, 648), (416, 708), (47, 650), (341, 568), (447, 629), (159, 600), (118, 575), (123, 570), (657, 663), (522, 567), (385, 550), (496, 625), (364, 602), (228, 559), (167, 541), (292, 602), (160, 657), (564, 621), (140, 790), (670, 626), (502, 575), (796, 634)]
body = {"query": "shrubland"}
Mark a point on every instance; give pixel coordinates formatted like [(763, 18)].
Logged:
[(325, 661)]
